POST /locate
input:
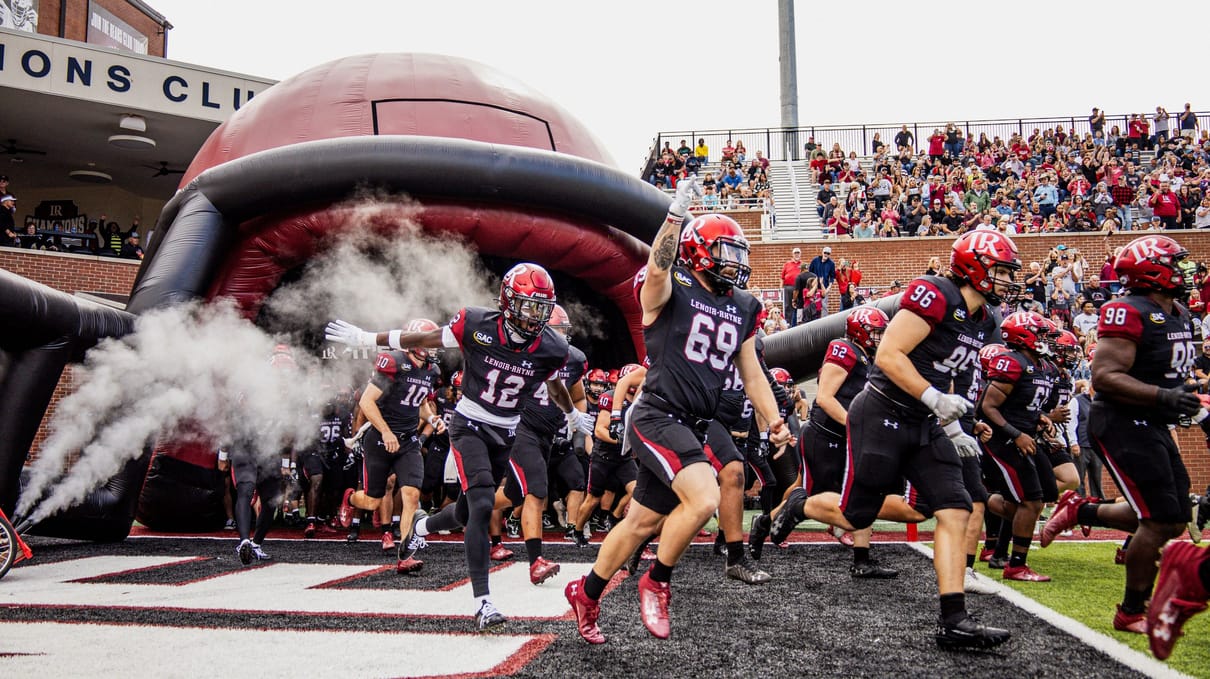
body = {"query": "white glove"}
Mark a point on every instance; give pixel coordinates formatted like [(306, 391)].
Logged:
[(1200, 415), (686, 190), (352, 440), (965, 443), (349, 334), (946, 407), (581, 421)]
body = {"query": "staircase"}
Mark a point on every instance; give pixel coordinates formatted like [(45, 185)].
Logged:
[(794, 200)]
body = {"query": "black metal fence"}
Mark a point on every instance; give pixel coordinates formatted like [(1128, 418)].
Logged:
[(788, 144)]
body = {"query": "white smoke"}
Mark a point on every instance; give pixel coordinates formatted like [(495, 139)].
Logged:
[(204, 370)]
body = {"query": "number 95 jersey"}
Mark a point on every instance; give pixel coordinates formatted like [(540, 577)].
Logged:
[(1165, 351), (951, 350), (693, 342)]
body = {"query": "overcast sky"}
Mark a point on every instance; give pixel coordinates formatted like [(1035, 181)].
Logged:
[(629, 69)]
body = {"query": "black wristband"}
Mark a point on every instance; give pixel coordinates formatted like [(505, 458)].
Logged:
[(1012, 431)]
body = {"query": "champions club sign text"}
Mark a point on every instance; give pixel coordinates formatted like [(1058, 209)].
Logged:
[(65, 68)]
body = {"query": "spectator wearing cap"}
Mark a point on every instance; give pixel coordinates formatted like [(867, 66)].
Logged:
[(131, 249), (895, 288), (8, 225), (789, 272), (825, 269)]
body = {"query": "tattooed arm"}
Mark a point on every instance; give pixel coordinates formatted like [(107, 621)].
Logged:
[(657, 288)]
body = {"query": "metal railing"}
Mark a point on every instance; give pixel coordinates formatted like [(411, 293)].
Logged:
[(787, 143)]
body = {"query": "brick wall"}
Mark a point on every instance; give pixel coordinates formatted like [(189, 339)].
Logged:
[(76, 26)]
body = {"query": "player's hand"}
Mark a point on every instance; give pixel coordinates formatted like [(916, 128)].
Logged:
[(349, 334), (1025, 443), (615, 426), (686, 190), (1182, 399), (581, 421), (390, 442), (983, 431), (437, 424), (1060, 414), (1075, 451), (779, 433), (352, 440), (964, 443), (946, 407)]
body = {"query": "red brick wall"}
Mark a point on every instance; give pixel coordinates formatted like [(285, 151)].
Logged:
[(76, 27)]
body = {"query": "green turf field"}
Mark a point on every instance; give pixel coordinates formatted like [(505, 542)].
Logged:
[(1086, 587)]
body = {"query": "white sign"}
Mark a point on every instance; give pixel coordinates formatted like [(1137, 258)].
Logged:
[(37, 63)]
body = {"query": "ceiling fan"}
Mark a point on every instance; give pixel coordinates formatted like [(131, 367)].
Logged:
[(11, 149), (162, 169)]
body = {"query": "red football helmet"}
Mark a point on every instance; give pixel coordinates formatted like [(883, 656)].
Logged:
[(1028, 330), (715, 245), (627, 369), (1151, 263), (988, 352), (456, 379), (974, 257), (423, 353), (865, 326), (282, 357), (1066, 348), (640, 277), (781, 376), (559, 320), (527, 298), (1091, 351), (612, 377), (598, 381)]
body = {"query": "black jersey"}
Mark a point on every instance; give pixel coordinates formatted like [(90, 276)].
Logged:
[(405, 387), (693, 342), (1032, 386), (1165, 351), (498, 379), (854, 360), (1062, 388), (952, 348), (607, 448), (541, 413), (329, 441)]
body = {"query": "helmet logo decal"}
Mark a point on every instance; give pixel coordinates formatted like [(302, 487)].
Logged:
[(1146, 248), (983, 243)]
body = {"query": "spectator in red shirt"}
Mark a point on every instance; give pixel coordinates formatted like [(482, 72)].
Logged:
[(936, 145), (790, 271), (1166, 205)]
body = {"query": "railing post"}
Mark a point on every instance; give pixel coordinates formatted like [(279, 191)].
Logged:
[(768, 141), (915, 138), (864, 143), (1020, 127)]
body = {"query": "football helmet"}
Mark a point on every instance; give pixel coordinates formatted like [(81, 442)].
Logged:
[(456, 379), (865, 327), (598, 381), (527, 299), (975, 257), (612, 377), (715, 245), (989, 352), (1028, 330), (1152, 263), (781, 376), (1066, 349), (559, 319), (627, 369), (423, 354)]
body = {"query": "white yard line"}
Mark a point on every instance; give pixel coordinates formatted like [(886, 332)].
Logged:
[(1104, 643)]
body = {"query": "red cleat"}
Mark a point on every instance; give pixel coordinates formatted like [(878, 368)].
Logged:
[(1179, 595), (501, 553), (542, 570), (1130, 622), (309, 531), (1063, 518), (409, 566), (986, 554), (344, 515), (1119, 557), (388, 541), (586, 611), (653, 606), (1023, 574)]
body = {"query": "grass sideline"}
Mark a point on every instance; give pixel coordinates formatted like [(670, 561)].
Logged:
[(1086, 587)]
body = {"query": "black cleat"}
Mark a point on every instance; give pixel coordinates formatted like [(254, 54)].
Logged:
[(745, 571), (784, 523), (244, 552), (758, 532), (488, 619), (997, 563), (354, 533), (578, 536), (870, 569), (720, 544), (407, 550), (969, 633)]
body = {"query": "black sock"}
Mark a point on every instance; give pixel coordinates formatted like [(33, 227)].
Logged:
[(594, 585), (1020, 550), (953, 607), (970, 560), (659, 572), (1203, 572), (1005, 541), (495, 540), (860, 555), (1126, 542), (1135, 601), (767, 499), (992, 523), (533, 547), (735, 552), (1086, 515)]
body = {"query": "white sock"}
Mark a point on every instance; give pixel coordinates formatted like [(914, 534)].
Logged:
[(480, 600), (395, 518), (422, 527), (356, 522)]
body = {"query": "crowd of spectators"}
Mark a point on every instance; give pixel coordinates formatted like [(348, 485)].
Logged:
[(1052, 180), (742, 182), (101, 237)]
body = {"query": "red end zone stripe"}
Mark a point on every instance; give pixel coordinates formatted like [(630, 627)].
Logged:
[(529, 650), (116, 574)]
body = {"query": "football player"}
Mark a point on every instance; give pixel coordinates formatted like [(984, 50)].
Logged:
[(610, 463)]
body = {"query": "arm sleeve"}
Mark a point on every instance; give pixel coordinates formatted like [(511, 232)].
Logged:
[(841, 354), (451, 334), (925, 300), (1004, 368), (384, 371), (1119, 319)]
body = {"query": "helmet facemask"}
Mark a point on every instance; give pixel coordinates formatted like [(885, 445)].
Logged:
[(1011, 291), (527, 316), (730, 268)]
